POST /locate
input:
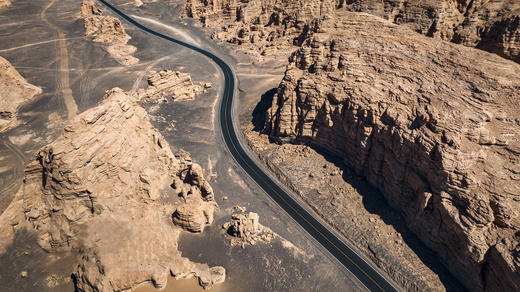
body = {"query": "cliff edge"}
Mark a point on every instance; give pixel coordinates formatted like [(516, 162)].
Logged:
[(271, 28), (432, 125)]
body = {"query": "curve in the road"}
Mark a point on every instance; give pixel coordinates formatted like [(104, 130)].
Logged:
[(344, 253)]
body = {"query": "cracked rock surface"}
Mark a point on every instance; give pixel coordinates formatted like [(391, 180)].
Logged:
[(109, 31), (435, 131), (104, 189), (270, 28), (172, 84)]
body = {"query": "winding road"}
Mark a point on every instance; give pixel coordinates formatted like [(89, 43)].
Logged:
[(342, 251)]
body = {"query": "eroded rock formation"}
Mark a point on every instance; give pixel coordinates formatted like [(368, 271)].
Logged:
[(270, 28), (174, 85), (199, 201), (247, 230), (109, 31), (435, 130), (14, 91), (103, 188), (493, 26), (261, 28)]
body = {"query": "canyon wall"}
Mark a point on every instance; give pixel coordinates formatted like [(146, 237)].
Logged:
[(272, 27), (493, 26), (435, 130), (261, 28)]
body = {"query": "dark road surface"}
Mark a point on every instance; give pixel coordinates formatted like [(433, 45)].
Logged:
[(342, 251)]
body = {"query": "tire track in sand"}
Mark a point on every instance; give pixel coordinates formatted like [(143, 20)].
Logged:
[(62, 59)]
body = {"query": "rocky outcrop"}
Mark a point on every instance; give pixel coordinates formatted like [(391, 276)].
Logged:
[(261, 28), (175, 85), (435, 131), (199, 200), (109, 31), (245, 229), (104, 189), (271, 28), (14, 91), (493, 26)]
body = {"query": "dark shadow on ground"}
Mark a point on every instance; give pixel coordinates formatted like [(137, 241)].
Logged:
[(375, 203), (25, 266), (260, 111)]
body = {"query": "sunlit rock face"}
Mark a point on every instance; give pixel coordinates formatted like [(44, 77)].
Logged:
[(271, 28), (109, 31), (107, 188), (493, 26), (435, 126)]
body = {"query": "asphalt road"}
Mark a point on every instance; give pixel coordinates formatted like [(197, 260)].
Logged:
[(342, 251)]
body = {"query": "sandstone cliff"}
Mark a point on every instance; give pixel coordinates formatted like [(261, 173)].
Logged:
[(261, 28), (14, 91), (435, 130), (103, 188), (109, 31), (270, 28), (493, 26)]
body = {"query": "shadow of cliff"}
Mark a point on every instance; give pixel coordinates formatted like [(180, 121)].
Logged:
[(373, 201), (259, 114), (24, 266)]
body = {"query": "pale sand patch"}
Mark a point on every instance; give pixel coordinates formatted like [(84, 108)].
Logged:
[(21, 139)]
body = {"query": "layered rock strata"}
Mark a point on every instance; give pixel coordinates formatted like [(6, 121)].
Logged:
[(493, 26), (109, 31), (261, 28), (14, 92), (247, 230), (172, 84), (435, 131), (103, 189), (199, 201), (270, 28)]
